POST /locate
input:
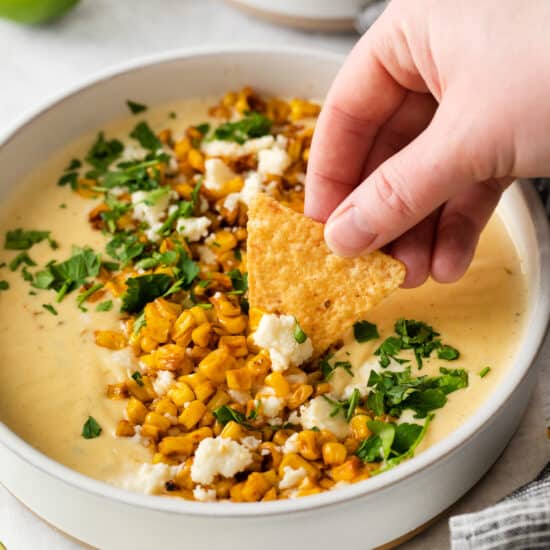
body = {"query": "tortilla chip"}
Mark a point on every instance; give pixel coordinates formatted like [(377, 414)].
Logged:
[(292, 271)]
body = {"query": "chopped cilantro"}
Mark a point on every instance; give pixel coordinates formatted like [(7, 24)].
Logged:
[(103, 153), (107, 305), (328, 370), (299, 335), (239, 281), (225, 414), (172, 114), (144, 289), (63, 205), (146, 137), (124, 247), (138, 378), (205, 306), (22, 258), (203, 128), (75, 164), (69, 178), (484, 372), (117, 209), (346, 407), (448, 353), (50, 308), (139, 323), (82, 297), (91, 429), (4, 285), (19, 239), (135, 108), (363, 331), (253, 125)]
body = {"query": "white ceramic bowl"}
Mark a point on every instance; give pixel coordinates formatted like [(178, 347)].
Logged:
[(362, 515)]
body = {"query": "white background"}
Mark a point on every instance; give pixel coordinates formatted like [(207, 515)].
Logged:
[(36, 63)]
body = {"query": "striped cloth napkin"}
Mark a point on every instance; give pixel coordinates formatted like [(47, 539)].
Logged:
[(520, 521)]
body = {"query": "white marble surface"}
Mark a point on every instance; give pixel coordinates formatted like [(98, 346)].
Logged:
[(38, 62)]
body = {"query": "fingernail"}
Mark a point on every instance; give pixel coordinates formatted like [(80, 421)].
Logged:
[(347, 233)]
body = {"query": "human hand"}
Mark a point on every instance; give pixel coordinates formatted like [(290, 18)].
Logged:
[(437, 109)]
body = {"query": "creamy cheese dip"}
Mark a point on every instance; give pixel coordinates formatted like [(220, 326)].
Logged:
[(53, 376)]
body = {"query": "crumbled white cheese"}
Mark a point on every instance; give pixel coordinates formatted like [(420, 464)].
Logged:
[(149, 213), (273, 161), (271, 405), (231, 149), (252, 187), (206, 255), (118, 190), (291, 477), (240, 397), (291, 444), (276, 335), (218, 456), (163, 381), (250, 442), (294, 418), (149, 478), (407, 416), (204, 495), (216, 173), (316, 413), (193, 229), (297, 378)]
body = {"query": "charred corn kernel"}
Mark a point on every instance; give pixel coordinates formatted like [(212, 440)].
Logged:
[(117, 391), (229, 99), (277, 110), (334, 453), (296, 461), (148, 360), (157, 326), (193, 380), (179, 444), (124, 429), (358, 426), (325, 436), (183, 328), (136, 411), (228, 309), (182, 148), (236, 492), (224, 240), (236, 344), (170, 357), (271, 477), (273, 454), (305, 154), (239, 379), (167, 310), (326, 483), (347, 471), (254, 317), (205, 390), (110, 339), (280, 437), (158, 420), (208, 419), (219, 399), (159, 458), (351, 444), (322, 388), (234, 325), (300, 108), (181, 393), (279, 383), (148, 344), (196, 160), (184, 190), (215, 365), (192, 414), (255, 487), (150, 431), (270, 495), (199, 315), (183, 476), (299, 396), (259, 366), (144, 391), (116, 286), (232, 430), (196, 436), (165, 406), (201, 335), (223, 488), (198, 353), (307, 445)]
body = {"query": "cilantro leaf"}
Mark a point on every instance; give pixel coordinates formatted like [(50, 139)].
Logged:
[(75, 164), (135, 108), (103, 153), (299, 335), (124, 247), (253, 125), (370, 450), (50, 308), (239, 280), (4, 285), (405, 436), (484, 372), (225, 414), (146, 137), (448, 353), (70, 178), (21, 258), (203, 128), (138, 378), (107, 305), (91, 429), (328, 370), (19, 239), (144, 289), (364, 331)]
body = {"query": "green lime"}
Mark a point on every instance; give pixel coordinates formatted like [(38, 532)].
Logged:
[(34, 11)]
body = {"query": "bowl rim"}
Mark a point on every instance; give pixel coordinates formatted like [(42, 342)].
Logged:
[(429, 458)]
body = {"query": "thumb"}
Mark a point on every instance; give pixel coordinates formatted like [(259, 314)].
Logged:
[(402, 191)]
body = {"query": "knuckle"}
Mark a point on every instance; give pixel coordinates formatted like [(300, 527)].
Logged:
[(390, 188)]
